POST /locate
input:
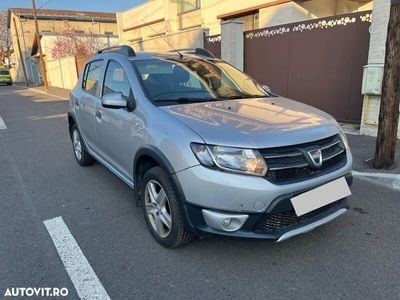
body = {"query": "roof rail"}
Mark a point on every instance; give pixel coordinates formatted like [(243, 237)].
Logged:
[(122, 49), (196, 51)]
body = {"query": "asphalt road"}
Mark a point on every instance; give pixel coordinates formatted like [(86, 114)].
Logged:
[(357, 256)]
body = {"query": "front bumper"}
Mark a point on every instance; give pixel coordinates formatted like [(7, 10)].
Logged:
[(267, 226), (276, 222), (264, 206)]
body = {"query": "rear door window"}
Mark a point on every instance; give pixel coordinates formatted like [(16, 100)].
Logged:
[(91, 79)]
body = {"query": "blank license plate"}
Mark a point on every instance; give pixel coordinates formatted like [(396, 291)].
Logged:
[(321, 196)]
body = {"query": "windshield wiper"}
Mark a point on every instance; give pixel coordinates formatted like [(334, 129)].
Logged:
[(240, 97), (184, 100)]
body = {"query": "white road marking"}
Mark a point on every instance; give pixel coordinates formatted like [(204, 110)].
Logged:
[(86, 283), (2, 124)]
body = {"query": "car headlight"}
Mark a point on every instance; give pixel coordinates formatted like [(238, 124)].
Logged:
[(343, 137), (245, 161)]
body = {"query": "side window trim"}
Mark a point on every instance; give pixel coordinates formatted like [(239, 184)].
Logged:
[(84, 76), (86, 72), (104, 78)]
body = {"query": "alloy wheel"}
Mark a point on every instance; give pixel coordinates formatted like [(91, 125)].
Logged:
[(77, 144), (158, 208)]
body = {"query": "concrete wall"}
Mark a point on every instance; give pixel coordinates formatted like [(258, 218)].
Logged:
[(207, 15), (62, 72), (292, 12), (191, 38), (147, 12), (371, 106), (285, 13), (232, 44), (211, 9), (48, 41)]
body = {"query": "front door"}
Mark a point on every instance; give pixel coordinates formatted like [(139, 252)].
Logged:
[(115, 126)]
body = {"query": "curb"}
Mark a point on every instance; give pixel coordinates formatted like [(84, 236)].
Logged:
[(391, 181)]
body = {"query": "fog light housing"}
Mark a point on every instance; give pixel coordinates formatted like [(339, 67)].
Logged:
[(224, 221)]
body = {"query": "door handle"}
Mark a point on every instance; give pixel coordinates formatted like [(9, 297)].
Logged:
[(98, 114)]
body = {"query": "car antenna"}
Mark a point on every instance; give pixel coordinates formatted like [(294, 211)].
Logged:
[(165, 40)]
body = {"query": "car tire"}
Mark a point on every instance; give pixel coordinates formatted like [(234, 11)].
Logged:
[(156, 184), (81, 155)]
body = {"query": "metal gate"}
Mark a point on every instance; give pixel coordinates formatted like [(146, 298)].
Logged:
[(213, 44), (318, 62)]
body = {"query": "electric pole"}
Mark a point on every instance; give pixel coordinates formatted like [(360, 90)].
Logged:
[(41, 59), (389, 109)]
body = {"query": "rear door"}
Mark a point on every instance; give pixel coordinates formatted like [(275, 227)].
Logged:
[(115, 126), (85, 103)]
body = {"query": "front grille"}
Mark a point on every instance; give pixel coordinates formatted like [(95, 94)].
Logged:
[(273, 222), (289, 164)]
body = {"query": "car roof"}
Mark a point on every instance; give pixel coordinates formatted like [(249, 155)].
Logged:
[(152, 55), (127, 52), (170, 54)]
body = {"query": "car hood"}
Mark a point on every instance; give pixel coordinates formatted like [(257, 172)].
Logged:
[(255, 123)]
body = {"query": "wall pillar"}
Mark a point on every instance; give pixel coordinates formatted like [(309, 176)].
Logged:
[(376, 55), (232, 43)]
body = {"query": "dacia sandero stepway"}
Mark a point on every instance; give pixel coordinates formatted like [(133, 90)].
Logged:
[(206, 149)]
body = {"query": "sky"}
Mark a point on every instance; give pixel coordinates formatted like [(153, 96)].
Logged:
[(87, 5)]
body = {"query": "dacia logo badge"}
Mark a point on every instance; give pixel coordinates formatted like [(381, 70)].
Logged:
[(315, 157)]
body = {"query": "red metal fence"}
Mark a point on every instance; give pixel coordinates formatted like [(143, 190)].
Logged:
[(318, 62)]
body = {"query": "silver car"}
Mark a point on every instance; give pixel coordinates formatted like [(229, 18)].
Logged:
[(206, 149)]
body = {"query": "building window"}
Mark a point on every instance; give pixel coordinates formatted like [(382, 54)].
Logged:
[(188, 5)]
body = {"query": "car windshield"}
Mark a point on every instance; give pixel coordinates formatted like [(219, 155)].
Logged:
[(4, 72), (169, 80)]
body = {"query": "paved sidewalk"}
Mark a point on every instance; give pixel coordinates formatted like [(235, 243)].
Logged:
[(363, 149), (52, 91)]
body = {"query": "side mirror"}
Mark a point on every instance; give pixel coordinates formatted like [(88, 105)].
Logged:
[(114, 100), (266, 88), (269, 91)]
